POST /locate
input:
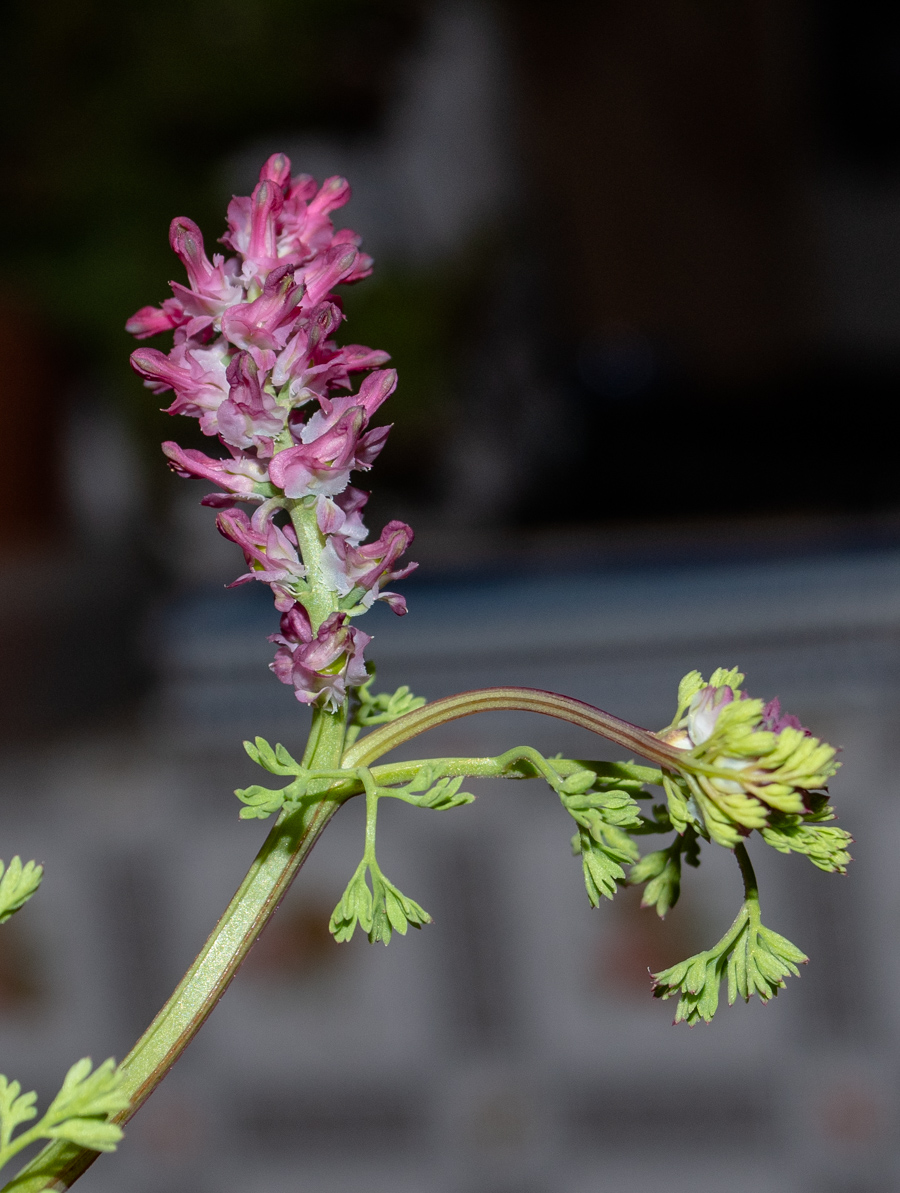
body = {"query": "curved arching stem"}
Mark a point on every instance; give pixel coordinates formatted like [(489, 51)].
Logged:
[(287, 846), (551, 704)]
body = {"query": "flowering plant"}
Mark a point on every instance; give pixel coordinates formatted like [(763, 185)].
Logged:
[(256, 361)]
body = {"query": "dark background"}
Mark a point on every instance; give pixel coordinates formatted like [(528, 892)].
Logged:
[(673, 323), (638, 265)]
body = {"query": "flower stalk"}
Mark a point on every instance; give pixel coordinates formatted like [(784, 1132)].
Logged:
[(255, 360)]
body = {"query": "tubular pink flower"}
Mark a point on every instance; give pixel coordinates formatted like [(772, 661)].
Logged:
[(323, 467), (270, 552), (375, 390), (196, 374), (249, 417), (369, 567), (213, 286), (239, 475), (152, 321), (335, 265), (267, 322), (320, 666), (306, 228)]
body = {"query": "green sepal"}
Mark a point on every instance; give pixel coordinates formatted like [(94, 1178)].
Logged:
[(17, 884)]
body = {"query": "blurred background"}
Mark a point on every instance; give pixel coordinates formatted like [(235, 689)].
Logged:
[(638, 265)]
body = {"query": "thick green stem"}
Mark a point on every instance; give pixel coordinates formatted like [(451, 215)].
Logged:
[(274, 868)]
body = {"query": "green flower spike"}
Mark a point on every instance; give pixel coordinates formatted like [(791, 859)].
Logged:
[(748, 766)]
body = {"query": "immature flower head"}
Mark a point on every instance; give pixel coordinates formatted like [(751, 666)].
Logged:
[(744, 761)]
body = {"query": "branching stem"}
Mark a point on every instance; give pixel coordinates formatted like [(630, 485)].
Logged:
[(285, 849)]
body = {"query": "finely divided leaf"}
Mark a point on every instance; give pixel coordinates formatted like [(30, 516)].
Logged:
[(380, 911), (277, 761), (15, 1107), (824, 845), (355, 907), (446, 794), (260, 801), (755, 960), (17, 885), (79, 1111)]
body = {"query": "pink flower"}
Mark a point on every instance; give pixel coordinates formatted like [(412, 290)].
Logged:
[(267, 322), (323, 274), (369, 567), (196, 373), (239, 475), (375, 390), (343, 515), (306, 228), (320, 666), (249, 417), (151, 321), (775, 720), (213, 287), (324, 466), (270, 551)]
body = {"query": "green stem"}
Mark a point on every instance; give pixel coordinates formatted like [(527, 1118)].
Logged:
[(751, 886), (564, 708), (320, 600), (281, 856), (283, 853)]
